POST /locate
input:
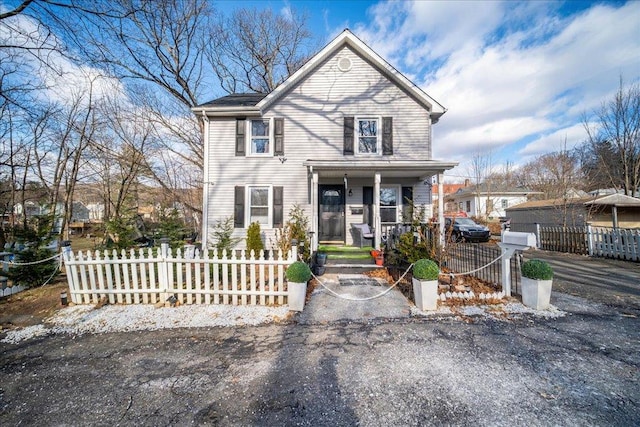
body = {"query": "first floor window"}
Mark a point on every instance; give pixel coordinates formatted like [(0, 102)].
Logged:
[(260, 136), (468, 205), (368, 132), (259, 198), (389, 202)]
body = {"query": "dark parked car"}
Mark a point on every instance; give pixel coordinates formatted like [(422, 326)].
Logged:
[(466, 230)]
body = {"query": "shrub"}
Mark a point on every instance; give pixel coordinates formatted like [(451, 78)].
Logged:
[(537, 269), (298, 272), (295, 228), (254, 240), (425, 269), (223, 235)]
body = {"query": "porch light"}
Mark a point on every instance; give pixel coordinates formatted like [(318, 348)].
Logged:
[(350, 192)]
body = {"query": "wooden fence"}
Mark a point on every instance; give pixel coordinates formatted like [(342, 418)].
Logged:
[(185, 277), (604, 242), (564, 239)]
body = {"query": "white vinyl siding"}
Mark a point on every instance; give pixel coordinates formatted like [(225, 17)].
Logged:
[(313, 113)]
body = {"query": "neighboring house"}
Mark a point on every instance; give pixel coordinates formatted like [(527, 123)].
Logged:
[(615, 210), (488, 201), (346, 137), (96, 212), (448, 189)]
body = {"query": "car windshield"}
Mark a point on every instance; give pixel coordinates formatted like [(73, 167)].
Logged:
[(465, 221)]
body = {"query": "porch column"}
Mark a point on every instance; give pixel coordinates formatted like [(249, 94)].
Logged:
[(441, 208), (376, 210), (314, 209)]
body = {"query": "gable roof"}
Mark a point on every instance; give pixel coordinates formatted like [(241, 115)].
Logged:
[(484, 188), (346, 38), (619, 200)]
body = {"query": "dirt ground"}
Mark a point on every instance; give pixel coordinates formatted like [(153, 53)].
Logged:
[(32, 306)]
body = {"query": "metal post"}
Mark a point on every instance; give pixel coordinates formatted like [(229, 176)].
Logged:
[(163, 269)]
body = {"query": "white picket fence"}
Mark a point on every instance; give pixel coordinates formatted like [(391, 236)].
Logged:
[(614, 243), (151, 276)]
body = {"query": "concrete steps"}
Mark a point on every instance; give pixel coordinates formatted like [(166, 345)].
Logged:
[(348, 260)]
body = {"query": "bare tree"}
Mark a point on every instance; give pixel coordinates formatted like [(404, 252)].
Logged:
[(613, 141), (255, 51)]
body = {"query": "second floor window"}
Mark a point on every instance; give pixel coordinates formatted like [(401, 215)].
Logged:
[(368, 135), (259, 137)]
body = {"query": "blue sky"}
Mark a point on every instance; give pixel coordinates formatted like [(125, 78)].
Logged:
[(516, 77)]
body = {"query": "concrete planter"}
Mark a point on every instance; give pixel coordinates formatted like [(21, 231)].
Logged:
[(426, 294), (536, 294), (297, 295)]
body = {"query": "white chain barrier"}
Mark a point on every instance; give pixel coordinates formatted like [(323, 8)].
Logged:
[(473, 271), (346, 297), (40, 261)]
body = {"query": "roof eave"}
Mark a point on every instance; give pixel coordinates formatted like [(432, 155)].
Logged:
[(226, 111), (348, 38)]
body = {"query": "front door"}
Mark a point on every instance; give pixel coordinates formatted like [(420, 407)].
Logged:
[(331, 213)]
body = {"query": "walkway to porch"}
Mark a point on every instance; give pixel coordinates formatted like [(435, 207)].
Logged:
[(327, 308)]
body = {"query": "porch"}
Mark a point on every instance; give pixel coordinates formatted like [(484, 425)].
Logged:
[(377, 193)]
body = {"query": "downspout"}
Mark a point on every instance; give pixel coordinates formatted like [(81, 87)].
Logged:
[(205, 184)]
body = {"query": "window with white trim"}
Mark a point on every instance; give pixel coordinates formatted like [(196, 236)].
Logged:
[(368, 135), (260, 137), (505, 203), (259, 204), (389, 203)]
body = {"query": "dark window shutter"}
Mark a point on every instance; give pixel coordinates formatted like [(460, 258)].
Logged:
[(387, 136), (407, 204), (241, 127), (367, 204), (277, 207), (348, 136), (238, 211), (278, 134)]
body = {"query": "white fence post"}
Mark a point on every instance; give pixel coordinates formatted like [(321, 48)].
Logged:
[(538, 240), (163, 272), (590, 239)]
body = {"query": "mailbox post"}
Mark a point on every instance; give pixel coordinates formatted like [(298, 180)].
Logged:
[(511, 242)]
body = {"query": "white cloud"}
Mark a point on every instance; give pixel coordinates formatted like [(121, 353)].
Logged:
[(62, 79), (566, 138), (508, 72)]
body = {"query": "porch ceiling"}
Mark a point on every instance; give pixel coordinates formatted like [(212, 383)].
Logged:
[(418, 169)]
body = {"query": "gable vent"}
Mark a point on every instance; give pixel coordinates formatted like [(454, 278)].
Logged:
[(344, 64)]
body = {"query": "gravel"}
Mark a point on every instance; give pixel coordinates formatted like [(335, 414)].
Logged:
[(81, 319)]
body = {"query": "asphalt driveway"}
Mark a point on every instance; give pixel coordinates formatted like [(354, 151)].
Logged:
[(608, 281), (580, 369)]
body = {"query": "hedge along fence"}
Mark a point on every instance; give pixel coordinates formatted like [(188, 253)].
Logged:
[(190, 277)]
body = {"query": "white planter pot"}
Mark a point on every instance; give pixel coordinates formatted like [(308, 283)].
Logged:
[(426, 294), (536, 294), (297, 295)]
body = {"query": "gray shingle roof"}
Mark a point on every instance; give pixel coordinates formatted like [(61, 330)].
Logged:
[(236, 100)]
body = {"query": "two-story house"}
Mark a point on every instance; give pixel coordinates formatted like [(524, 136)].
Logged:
[(347, 137)]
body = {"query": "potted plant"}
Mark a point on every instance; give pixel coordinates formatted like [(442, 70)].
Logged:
[(297, 274), (379, 257), (425, 284), (537, 276)]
